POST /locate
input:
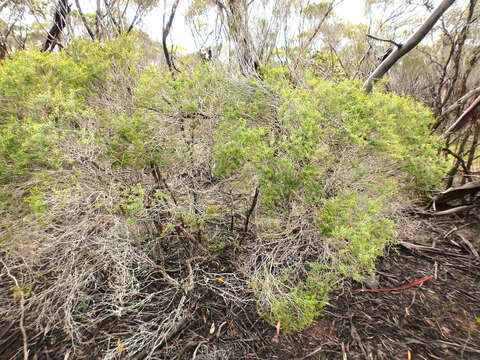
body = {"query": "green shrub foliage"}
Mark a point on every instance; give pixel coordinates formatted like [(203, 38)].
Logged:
[(328, 161)]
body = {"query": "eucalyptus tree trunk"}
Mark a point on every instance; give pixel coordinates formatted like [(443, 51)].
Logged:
[(401, 50), (59, 23), (166, 30), (235, 13)]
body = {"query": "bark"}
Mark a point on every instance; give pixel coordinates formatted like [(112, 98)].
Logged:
[(166, 31), (460, 152), (3, 50), (98, 14), (457, 57), (59, 23), (464, 119), (409, 45), (236, 14), (471, 154), (84, 20)]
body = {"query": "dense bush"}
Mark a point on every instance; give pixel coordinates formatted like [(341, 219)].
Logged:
[(108, 156)]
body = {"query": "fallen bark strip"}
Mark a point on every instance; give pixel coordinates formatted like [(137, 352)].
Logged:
[(457, 192), (454, 210), (398, 288)]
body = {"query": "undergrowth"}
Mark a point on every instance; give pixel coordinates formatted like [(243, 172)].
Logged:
[(121, 184)]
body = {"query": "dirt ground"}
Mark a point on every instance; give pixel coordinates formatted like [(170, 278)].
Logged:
[(438, 319), (435, 320)]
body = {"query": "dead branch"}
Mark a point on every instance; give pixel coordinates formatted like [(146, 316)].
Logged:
[(409, 45), (398, 45), (457, 192), (84, 20), (457, 104), (464, 119), (180, 229), (469, 245), (250, 211), (166, 31), (454, 210), (22, 310)]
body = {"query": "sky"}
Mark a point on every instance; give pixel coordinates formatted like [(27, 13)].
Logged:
[(349, 10), (352, 11)]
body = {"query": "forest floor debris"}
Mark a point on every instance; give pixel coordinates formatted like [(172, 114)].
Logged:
[(437, 319)]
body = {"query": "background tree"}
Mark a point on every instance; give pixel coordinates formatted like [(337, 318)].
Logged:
[(413, 41), (59, 23)]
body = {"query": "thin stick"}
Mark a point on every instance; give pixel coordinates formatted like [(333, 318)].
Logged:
[(22, 312), (250, 211), (385, 40), (403, 287)]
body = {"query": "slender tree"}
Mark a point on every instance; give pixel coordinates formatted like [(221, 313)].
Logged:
[(166, 31), (59, 23), (400, 51), (84, 20)]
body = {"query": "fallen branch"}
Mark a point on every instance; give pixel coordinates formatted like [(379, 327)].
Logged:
[(454, 210), (458, 192), (22, 311), (402, 287), (469, 245)]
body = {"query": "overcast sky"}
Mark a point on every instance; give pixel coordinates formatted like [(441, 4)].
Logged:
[(349, 10)]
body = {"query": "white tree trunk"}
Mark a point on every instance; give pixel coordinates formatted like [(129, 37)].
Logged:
[(409, 45)]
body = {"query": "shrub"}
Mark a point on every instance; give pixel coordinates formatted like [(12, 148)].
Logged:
[(134, 169)]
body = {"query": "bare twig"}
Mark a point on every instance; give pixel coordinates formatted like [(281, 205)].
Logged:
[(250, 210), (22, 310), (398, 45)]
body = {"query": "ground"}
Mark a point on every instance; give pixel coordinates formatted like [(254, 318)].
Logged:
[(438, 319)]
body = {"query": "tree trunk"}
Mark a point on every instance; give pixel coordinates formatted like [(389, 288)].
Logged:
[(59, 23), (236, 14), (84, 20), (166, 31), (409, 45)]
